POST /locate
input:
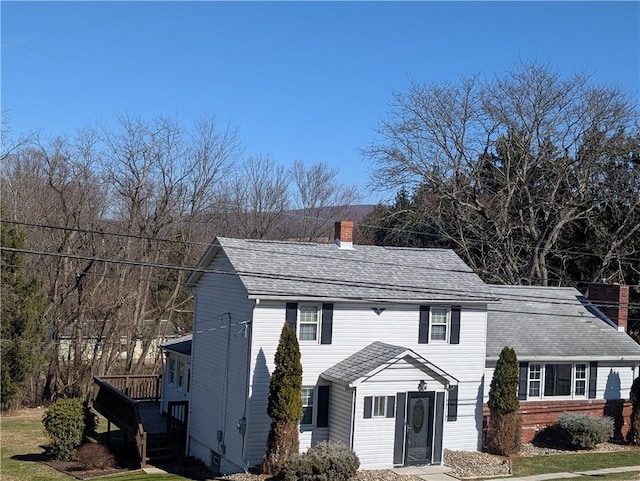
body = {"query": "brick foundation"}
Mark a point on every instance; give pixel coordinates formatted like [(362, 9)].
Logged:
[(536, 415)]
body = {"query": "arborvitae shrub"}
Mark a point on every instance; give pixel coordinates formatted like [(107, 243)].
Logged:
[(634, 429), (504, 432), (326, 461), (585, 432), (284, 404), (95, 456), (503, 393), (504, 435), (64, 425)]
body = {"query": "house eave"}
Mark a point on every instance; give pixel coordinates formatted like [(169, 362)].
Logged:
[(360, 300), (202, 265), (586, 357)]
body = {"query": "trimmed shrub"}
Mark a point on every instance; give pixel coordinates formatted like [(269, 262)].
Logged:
[(95, 456), (90, 422), (326, 461), (585, 432), (284, 405), (64, 425), (504, 434)]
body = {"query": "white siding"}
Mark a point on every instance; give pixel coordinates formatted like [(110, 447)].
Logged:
[(172, 392), (340, 414), (374, 437), (355, 327), (219, 366), (613, 381)]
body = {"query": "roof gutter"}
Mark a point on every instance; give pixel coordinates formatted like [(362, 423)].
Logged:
[(584, 357), (351, 300)]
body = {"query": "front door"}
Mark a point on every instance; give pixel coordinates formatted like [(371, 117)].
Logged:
[(419, 438)]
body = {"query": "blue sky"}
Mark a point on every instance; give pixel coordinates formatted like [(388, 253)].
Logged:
[(301, 80)]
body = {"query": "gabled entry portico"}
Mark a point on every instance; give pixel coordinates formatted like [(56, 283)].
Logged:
[(388, 404)]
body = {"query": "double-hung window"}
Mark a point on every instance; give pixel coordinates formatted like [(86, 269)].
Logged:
[(580, 383), (307, 406), (535, 378), (172, 371), (180, 374), (439, 324), (308, 322)]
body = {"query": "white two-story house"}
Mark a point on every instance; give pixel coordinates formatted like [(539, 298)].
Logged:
[(392, 343)]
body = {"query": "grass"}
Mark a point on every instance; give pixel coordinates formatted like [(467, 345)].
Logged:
[(22, 450), (575, 462), (605, 477)]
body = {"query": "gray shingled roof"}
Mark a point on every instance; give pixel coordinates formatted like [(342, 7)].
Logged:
[(308, 270), (180, 345), (552, 322), (367, 360), (363, 362)]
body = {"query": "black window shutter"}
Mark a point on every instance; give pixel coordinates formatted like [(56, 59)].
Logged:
[(452, 404), (454, 338), (398, 443), (438, 429), (327, 324), (423, 325), (322, 419), (368, 402), (523, 373), (593, 378), (292, 316), (391, 406)]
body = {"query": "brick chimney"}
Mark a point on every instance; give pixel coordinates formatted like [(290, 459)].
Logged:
[(344, 234), (612, 300)]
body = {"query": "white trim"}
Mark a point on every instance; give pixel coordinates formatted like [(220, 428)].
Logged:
[(542, 381)]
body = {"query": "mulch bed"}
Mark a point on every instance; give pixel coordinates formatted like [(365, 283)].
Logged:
[(73, 468)]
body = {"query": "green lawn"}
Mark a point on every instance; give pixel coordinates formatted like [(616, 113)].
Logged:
[(575, 462), (22, 450)]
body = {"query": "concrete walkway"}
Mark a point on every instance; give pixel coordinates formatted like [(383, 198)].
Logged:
[(440, 473)]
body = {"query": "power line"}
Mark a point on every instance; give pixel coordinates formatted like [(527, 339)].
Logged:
[(486, 294)]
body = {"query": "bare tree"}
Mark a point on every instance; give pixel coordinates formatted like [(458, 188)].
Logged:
[(501, 170), (320, 199)]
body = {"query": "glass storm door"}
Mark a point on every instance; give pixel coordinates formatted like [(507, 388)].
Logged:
[(419, 441)]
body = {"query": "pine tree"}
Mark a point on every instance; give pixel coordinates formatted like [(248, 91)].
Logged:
[(22, 326), (285, 403), (504, 432)]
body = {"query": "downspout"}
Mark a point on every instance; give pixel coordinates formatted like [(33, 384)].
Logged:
[(353, 418), (243, 426)]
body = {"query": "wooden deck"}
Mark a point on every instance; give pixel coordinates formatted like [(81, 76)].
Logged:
[(133, 404), (153, 421)]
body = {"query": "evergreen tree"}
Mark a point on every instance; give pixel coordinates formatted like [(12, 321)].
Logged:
[(22, 325), (504, 433), (285, 403)]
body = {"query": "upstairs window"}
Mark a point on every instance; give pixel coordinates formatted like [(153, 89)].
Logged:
[(439, 324), (308, 323), (172, 371), (180, 374)]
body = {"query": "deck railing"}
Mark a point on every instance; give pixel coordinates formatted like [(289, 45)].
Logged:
[(121, 408), (138, 388)]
